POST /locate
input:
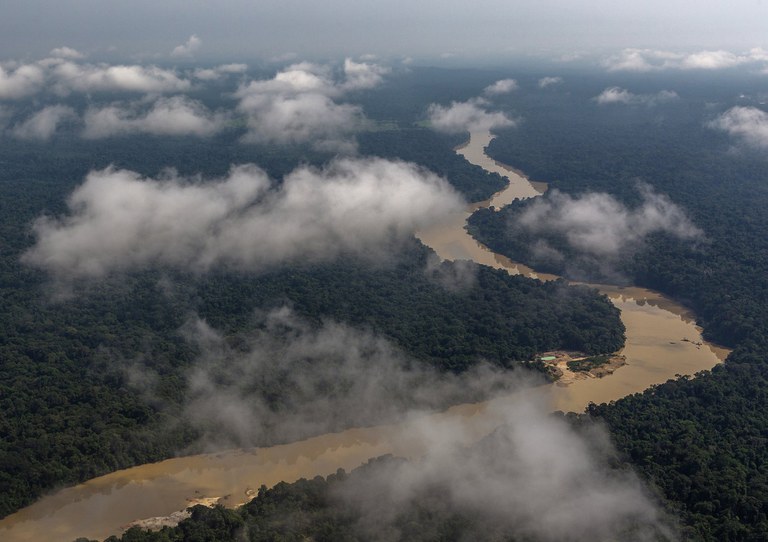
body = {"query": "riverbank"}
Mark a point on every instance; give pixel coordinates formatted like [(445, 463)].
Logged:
[(653, 353)]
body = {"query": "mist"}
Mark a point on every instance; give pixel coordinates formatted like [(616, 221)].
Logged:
[(469, 116), (747, 124), (535, 477), (298, 105), (648, 60), (119, 221), (502, 86), (176, 115), (42, 125), (588, 236), (617, 95), (596, 223), (288, 379)]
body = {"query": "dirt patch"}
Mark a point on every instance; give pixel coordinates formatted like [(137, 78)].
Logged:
[(556, 363)]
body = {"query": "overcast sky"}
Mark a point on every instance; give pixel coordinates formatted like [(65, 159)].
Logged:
[(429, 28)]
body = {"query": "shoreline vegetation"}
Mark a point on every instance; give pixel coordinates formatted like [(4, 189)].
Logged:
[(401, 302), (698, 440), (566, 369)]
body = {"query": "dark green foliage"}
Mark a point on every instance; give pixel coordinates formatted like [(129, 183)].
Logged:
[(579, 146), (67, 409), (701, 441), (500, 318), (704, 443)]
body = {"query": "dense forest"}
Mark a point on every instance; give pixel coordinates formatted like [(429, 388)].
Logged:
[(580, 147), (67, 410), (700, 440), (68, 413)]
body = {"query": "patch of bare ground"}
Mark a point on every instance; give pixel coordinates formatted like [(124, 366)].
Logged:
[(561, 367)]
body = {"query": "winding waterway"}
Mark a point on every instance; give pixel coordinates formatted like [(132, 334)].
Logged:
[(654, 351)]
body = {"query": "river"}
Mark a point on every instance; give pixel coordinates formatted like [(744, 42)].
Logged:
[(654, 351)]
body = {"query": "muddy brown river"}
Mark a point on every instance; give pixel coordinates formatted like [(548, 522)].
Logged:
[(654, 350)]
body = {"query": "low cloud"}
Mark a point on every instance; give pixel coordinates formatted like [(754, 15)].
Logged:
[(43, 124), (534, 478), (749, 124), (596, 224), (545, 82), (66, 52), (469, 116), (20, 81), (298, 105), (645, 60), (288, 380), (303, 77), (63, 75), (302, 118), (72, 77), (177, 115), (188, 48), (502, 86), (617, 95), (454, 276), (120, 221), (217, 72)]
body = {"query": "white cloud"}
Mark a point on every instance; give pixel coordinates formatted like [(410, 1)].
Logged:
[(211, 74), (643, 60), (297, 105), (304, 117), (188, 48), (617, 95), (712, 60), (332, 376), (545, 82), (42, 125), (120, 221), (69, 76), (599, 225), (21, 81), (362, 75), (534, 478), (177, 115), (747, 123), (66, 52), (502, 86), (62, 75), (466, 116), (304, 77)]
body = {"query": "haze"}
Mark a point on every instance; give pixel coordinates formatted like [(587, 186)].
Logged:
[(448, 29)]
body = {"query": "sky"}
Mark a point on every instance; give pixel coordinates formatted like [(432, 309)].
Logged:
[(270, 28)]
